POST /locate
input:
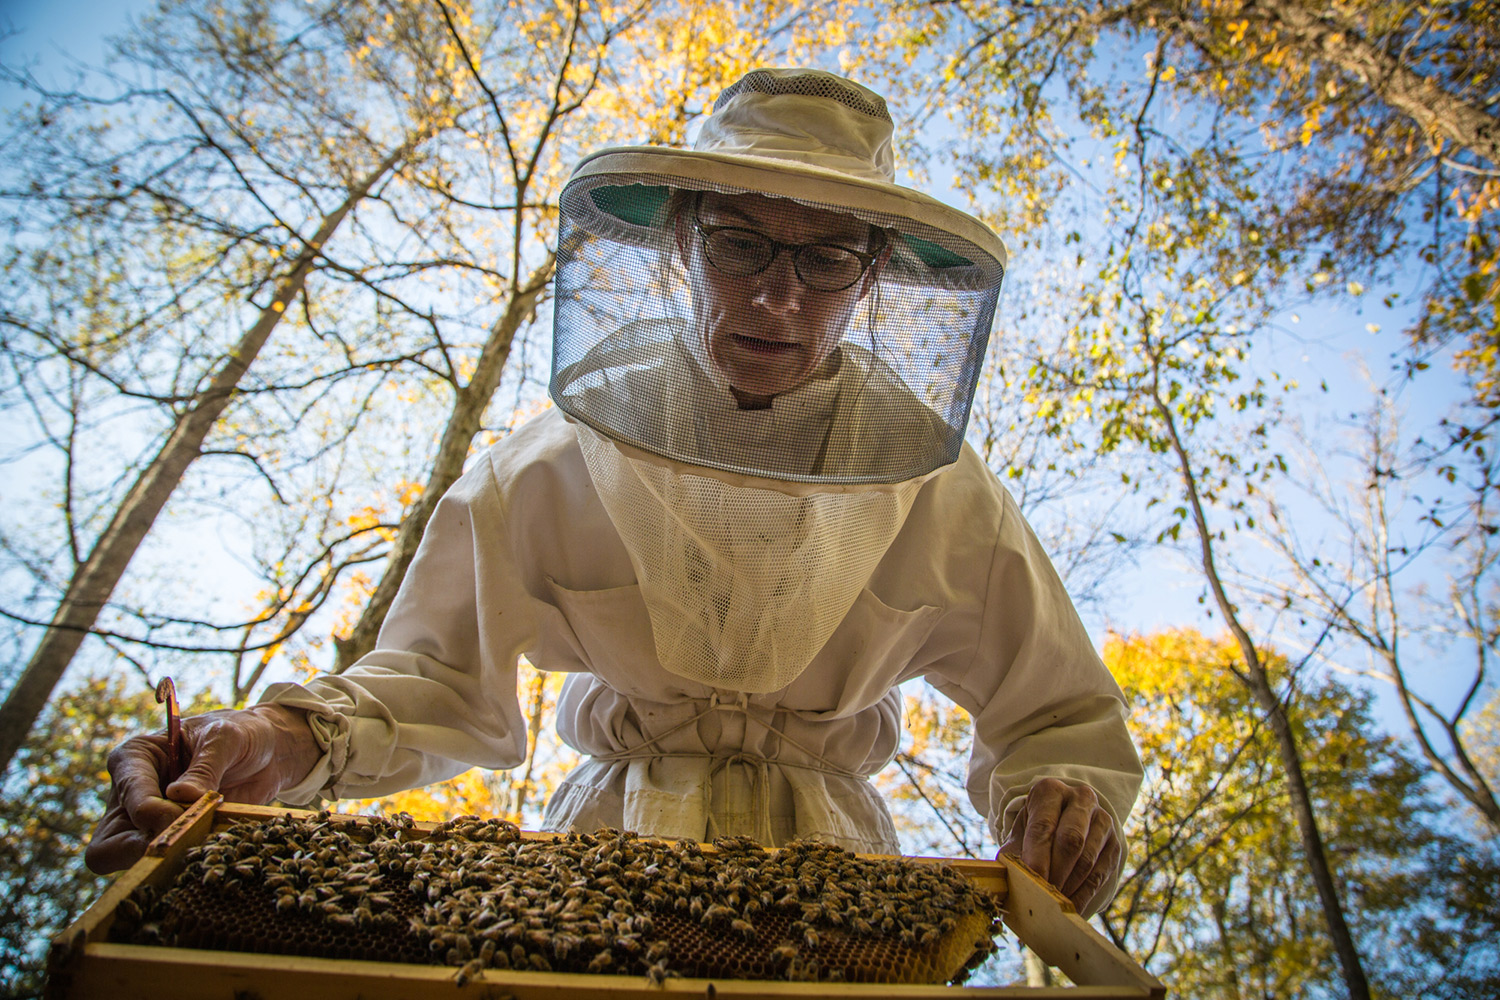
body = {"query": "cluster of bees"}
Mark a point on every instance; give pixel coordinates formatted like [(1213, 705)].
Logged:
[(475, 895)]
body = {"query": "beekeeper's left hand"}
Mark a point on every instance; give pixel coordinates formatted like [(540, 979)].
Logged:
[(1067, 837)]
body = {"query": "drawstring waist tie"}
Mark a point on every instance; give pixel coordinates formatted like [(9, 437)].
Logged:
[(757, 765)]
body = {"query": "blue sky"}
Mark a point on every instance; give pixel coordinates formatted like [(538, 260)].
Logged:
[(55, 30)]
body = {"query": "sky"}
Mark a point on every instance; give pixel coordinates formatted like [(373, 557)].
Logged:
[(58, 31)]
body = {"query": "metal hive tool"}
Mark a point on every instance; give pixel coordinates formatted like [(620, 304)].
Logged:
[(475, 894)]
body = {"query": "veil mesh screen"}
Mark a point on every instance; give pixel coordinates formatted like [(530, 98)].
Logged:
[(657, 346), (743, 585)]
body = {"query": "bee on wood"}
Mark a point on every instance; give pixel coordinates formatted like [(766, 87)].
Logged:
[(470, 970), (602, 962)]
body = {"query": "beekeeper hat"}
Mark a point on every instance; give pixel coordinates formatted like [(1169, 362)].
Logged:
[(628, 361)]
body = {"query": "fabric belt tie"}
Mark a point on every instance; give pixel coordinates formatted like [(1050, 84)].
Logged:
[(759, 766)]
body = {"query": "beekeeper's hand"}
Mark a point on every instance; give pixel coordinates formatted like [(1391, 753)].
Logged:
[(248, 756), (1067, 837)]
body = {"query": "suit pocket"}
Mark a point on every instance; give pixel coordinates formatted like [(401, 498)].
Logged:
[(613, 638), (863, 659)]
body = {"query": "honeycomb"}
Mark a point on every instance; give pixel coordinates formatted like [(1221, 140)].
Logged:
[(475, 895)]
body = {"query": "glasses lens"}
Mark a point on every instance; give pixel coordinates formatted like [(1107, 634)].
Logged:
[(738, 251), (828, 267)]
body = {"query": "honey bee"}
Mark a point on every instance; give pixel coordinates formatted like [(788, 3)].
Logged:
[(716, 913), (470, 970)]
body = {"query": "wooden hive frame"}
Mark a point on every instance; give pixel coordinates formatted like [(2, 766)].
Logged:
[(84, 964)]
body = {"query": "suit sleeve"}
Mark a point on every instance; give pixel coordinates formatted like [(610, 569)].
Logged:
[(438, 693), (1043, 703)]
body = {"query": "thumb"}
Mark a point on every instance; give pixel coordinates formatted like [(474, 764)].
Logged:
[(214, 750)]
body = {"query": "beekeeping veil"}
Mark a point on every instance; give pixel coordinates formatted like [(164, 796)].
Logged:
[(758, 436)]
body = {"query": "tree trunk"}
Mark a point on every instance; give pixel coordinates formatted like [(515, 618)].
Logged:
[(1323, 35), (1420, 98), (521, 788), (1259, 683), (95, 578), (463, 423)]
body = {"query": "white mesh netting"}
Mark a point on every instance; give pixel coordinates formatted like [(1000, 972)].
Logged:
[(806, 85), (656, 347), (744, 585), (761, 385)]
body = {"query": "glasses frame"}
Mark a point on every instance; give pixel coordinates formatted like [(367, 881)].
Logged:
[(705, 231)]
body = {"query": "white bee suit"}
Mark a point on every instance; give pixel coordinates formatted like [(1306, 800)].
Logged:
[(521, 558), (768, 350)]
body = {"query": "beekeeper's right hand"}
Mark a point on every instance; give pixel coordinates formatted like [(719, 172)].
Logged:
[(248, 756)]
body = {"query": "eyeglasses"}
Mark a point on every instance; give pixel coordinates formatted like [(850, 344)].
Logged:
[(739, 252)]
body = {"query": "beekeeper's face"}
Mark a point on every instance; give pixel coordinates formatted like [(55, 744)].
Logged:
[(774, 284)]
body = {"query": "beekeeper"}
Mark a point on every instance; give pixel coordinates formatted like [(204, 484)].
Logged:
[(750, 516)]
